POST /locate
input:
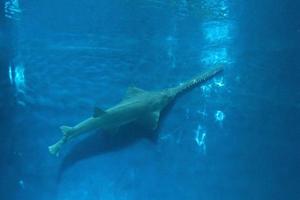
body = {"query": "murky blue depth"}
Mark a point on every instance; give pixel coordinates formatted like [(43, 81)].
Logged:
[(232, 138)]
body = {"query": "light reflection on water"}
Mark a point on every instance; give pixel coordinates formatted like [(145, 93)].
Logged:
[(200, 138), (10, 75), (20, 78), (215, 56), (217, 31), (217, 37), (12, 9)]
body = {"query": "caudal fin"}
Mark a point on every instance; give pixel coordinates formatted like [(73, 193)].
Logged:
[(55, 148), (66, 130)]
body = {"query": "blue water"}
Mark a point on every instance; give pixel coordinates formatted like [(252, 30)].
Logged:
[(234, 137)]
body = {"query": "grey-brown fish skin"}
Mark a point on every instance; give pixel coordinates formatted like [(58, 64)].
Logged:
[(143, 107)]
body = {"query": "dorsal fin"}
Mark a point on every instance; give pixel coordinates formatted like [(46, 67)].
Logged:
[(98, 112), (133, 91)]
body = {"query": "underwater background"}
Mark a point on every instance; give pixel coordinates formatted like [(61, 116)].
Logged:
[(234, 137)]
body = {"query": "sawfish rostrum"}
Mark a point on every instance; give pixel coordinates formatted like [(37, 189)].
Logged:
[(140, 106)]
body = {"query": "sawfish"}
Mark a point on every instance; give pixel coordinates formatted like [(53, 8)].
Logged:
[(138, 106)]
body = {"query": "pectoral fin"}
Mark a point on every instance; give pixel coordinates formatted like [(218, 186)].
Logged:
[(150, 121)]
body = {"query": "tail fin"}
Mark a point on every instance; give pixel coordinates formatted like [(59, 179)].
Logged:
[(66, 130), (55, 148)]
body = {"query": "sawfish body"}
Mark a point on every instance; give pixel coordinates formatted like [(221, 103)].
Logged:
[(138, 106)]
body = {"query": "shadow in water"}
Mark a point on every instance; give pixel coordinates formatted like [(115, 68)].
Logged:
[(104, 142)]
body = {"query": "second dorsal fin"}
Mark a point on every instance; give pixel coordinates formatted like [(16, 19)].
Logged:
[(133, 91), (98, 112)]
